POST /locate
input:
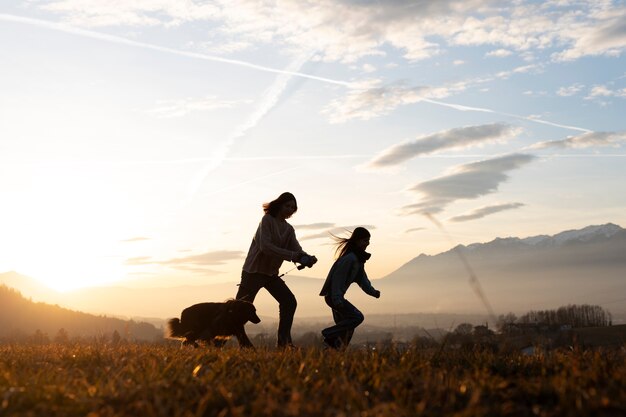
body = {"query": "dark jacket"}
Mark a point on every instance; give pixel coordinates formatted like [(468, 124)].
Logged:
[(342, 274)]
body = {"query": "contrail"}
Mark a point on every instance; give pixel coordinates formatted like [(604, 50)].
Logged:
[(61, 27), (268, 102), (461, 107), (124, 41)]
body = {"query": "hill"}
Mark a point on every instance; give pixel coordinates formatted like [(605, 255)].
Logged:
[(21, 318), (520, 274), (583, 266)]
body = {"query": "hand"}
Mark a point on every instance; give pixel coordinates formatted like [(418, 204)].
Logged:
[(377, 294), (307, 261)]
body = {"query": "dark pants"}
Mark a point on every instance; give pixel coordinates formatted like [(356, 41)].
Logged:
[(250, 286), (347, 317)]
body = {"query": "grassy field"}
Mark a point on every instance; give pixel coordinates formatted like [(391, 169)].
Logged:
[(159, 380)]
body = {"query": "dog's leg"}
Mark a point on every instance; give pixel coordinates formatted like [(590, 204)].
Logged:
[(242, 338), (189, 342), (207, 335), (190, 339)]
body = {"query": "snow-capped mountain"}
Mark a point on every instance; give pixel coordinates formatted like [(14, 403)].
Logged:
[(517, 274), (583, 235)]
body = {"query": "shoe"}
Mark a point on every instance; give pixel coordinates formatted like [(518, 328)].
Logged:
[(289, 346), (333, 344)]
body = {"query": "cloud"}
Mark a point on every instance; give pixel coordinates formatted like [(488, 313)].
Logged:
[(368, 99), (314, 226), (468, 181), (184, 106), (485, 211), (135, 239), (586, 140), (605, 36), (337, 231), (139, 260), (96, 13), (414, 229), (598, 91), (372, 100), (207, 258), (348, 30), (193, 263), (458, 138), (570, 90), (500, 53)]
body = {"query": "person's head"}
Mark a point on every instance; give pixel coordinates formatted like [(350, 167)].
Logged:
[(284, 206), (359, 240)]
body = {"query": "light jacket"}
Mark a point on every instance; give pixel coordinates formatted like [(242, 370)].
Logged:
[(342, 274)]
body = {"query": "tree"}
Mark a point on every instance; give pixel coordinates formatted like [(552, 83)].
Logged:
[(505, 320), (464, 329), (62, 337)]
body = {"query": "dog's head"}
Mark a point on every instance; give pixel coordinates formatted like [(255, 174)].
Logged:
[(244, 311)]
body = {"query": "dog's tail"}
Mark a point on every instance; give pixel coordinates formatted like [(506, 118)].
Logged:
[(175, 328)]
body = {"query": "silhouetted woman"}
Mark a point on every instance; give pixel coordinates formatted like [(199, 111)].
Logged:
[(348, 268), (274, 242)]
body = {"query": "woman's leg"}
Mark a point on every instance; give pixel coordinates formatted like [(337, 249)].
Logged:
[(250, 285), (286, 308)]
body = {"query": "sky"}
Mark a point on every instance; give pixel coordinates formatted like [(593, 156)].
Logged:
[(139, 138)]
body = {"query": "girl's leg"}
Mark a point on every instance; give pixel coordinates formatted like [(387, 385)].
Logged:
[(286, 308), (347, 317)]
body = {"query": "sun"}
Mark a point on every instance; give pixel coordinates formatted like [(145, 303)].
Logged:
[(66, 233)]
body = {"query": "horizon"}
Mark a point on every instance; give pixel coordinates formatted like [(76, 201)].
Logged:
[(294, 273), (139, 140)]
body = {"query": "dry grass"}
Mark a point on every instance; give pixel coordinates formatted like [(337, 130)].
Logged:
[(157, 380)]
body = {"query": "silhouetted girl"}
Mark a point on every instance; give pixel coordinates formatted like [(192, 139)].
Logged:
[(348, 268), (274, 242)]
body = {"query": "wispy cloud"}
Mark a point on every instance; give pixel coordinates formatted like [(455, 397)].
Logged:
[(586, 140), (314, 226), (602, 91), (266, 104), (184, 106), (485, 211), (62, 27), (337, 231), (500, 53), (373, 100), (570, 90), (135, 239), (368, 99), (194, 263), (414, 229), (344, 30), (204, 259), (139, 260), (468, 181), (458, 138), (606, 35)]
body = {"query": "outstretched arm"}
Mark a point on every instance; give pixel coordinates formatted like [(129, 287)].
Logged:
[(366, 286)]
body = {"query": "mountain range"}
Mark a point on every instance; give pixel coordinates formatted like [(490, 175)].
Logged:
[(514, 275)]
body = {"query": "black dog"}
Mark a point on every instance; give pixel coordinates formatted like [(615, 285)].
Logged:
[(211, 322)]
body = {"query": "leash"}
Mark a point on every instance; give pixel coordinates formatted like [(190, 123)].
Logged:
[(298, 267)]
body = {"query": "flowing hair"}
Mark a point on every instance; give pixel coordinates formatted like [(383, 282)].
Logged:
[(344, 245), (273, 207)]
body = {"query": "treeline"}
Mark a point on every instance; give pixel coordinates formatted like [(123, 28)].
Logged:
[(576, 316), (24, 320)]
